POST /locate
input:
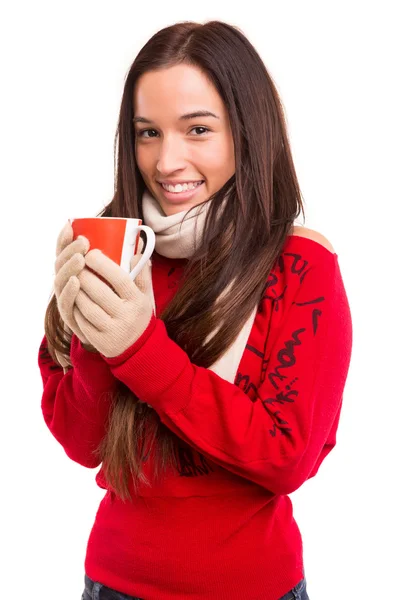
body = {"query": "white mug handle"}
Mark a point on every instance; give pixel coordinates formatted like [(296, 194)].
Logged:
[(150, 245)]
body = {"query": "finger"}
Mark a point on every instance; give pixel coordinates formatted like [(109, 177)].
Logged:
[(89, 330), (111, 272), (65, 237), (134, 261), (79, 246), (92, 311), (66, 301), (67, 329), (140, 245), (71, 268), (100, 292), (143, 279)]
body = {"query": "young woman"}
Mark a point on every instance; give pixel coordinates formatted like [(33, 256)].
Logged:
[(209, 388)]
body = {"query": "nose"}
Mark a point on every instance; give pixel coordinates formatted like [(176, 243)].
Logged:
[(171, 156)]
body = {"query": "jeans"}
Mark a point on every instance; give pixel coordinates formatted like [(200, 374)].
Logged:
[(97, 591), (299, 592)]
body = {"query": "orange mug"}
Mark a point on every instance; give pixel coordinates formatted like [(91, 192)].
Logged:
[(117, 238)]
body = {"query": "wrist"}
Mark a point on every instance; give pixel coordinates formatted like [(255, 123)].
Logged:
[(115, 360)]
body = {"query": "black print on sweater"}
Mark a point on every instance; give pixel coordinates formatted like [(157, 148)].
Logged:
[(298, 266), (272, 294), (256, 352), (286, 358), (188, 466), (264, 369), (45, 359), (261, 355), (243, 382), (316, 312)]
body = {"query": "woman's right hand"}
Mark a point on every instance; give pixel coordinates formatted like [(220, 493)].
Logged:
[(69, 263)]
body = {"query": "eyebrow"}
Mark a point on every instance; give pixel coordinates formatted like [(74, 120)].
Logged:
[(186, 117)]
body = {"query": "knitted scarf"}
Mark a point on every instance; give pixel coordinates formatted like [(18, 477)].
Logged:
[(177, 237)]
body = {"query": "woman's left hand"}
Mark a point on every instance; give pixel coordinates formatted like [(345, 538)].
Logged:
[(113, 319)]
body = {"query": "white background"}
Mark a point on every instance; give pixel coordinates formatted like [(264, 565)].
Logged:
[(335, 66)]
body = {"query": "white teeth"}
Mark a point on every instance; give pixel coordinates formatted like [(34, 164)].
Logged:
[(181, 187)]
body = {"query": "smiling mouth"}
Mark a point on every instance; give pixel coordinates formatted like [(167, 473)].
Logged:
[(185, 194), (181, 189)]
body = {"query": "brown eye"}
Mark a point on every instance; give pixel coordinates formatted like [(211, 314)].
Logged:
[(205, 130), (143, 131)]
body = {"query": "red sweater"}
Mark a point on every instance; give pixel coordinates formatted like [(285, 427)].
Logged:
[(222, 526)]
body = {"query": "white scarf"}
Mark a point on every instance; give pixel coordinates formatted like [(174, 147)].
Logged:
[(176, 238)]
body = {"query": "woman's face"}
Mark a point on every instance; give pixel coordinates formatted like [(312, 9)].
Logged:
[(175, 147)]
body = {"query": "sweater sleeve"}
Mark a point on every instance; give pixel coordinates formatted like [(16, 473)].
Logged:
[(75, 404), (279, 439)]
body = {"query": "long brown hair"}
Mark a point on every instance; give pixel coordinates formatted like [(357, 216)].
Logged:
[(242, 244)]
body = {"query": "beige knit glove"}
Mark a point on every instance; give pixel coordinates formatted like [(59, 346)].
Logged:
[(69, 263), (113, 319)]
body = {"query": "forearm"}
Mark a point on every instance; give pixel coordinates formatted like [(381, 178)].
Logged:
[(76, 404), (277, 438)]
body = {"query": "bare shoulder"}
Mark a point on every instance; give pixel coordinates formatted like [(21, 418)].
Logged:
[(311, 234)]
